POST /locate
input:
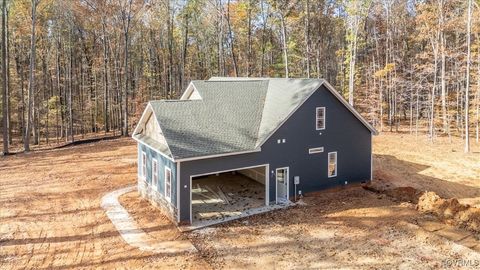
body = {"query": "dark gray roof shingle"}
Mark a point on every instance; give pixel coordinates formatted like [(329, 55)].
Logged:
[(233, 114)]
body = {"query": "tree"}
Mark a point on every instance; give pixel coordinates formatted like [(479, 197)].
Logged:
[(357, 10), (467, 86), (31, 87), (5, 114)]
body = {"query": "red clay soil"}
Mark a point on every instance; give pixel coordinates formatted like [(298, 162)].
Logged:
[(50, 214), (451, 211)]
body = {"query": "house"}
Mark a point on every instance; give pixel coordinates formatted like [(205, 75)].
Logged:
[(252, 142)]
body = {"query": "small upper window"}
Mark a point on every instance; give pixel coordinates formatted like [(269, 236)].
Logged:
[(168, 183), (144, 164), (320, 123), (332, 164), (154, 174)]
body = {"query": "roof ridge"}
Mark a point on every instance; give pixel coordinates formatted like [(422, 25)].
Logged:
[(172, 100)]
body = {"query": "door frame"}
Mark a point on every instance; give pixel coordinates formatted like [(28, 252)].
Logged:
[(287, 180)]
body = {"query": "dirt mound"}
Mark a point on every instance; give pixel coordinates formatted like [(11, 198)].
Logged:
[(450, 210), (404, 194), (408, 194)]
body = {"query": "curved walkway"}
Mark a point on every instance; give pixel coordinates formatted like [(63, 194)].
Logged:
[(131, 233)]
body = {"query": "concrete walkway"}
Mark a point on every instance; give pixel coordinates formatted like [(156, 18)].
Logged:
[(131, 233)]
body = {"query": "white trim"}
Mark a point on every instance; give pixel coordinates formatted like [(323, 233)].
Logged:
[(190, 88), (371, 158), (315, 150), (328, 164), (154, 185), (140, 120), (219, 155), (324, 118), (144, 165), (168, 196), (178, 191), (154, 149), (149, 108), (287, 180), (267, 184)]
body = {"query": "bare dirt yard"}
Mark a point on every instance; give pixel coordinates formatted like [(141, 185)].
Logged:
[(50, 215), (442, 166)]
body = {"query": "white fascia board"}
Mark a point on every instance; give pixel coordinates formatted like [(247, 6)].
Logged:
[(154, 149), (188, 91), (149, 107)]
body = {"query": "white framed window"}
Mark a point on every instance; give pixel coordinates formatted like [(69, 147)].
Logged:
[(315, 150), (144, 165), (320, 118), (332, 164), (168, 183), (154, 173)]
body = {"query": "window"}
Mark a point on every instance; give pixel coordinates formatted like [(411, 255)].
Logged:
[(168, 183), (332, 164), (154, 174), (320, 123), (315, 150), (144, 165)]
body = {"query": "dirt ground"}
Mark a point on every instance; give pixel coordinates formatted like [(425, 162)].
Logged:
[(50, 215), (442, 166)]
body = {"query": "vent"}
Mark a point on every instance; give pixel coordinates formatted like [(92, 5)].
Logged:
[(315, 150)]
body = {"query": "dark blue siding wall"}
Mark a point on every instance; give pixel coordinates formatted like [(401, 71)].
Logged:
[(162, 163), (343, 134)]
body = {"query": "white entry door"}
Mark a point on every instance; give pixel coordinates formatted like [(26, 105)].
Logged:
[(282, 184)]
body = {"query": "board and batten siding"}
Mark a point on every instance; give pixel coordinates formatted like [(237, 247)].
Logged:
[(343, 134), (162, 163)]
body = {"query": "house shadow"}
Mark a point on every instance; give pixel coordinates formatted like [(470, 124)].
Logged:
[(392, 172)]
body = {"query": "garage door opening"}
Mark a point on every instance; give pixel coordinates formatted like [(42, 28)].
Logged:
[(228, 195)]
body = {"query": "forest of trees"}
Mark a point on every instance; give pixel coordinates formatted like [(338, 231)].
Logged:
[(76, 67)]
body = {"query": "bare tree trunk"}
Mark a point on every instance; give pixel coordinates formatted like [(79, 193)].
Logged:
[(232, 43), (284, 43), (432, 95), (307, 37), (264, 19), (9, 114), (31, 88), (467, 86), (21, 115), (4, 81), (184, 52), (70, 86), (105, 77), (249, 40), (126, 28), (478, 99), (442, 74)]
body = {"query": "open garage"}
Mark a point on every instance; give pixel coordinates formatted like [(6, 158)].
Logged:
[(226, 195)]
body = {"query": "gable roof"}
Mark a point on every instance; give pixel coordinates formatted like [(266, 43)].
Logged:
[(233, 115)]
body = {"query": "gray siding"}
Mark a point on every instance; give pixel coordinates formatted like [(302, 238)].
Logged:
[(162, 163), (344, 134)]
